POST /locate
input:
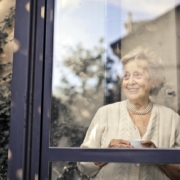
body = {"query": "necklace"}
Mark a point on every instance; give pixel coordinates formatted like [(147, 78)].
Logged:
[(139, 112)]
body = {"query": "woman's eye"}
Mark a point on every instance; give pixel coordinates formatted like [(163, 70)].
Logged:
[(137, 75), (126, 76)]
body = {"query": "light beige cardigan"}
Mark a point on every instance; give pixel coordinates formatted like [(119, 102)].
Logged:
[(113, 122)]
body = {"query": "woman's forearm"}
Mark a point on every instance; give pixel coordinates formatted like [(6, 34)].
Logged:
[(88, 168), (171, 170)]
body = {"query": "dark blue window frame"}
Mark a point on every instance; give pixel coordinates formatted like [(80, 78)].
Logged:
[(31, 103)]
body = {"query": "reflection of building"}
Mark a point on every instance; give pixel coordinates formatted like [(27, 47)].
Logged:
[(161, 35)]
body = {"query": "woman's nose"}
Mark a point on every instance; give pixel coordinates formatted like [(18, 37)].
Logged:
[(131, 80)]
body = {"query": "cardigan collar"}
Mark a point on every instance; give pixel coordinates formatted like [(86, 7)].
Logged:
[(126, 126)]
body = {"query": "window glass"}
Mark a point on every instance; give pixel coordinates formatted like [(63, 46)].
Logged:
[(111, 51)]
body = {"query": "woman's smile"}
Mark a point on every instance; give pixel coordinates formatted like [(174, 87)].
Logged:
[(133, 89)]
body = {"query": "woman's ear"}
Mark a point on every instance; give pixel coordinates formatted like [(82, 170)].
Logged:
[(152, 86)]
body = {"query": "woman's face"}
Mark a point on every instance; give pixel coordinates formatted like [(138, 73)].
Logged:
[(136, 80)]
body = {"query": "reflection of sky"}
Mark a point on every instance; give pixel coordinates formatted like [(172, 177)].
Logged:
[(86, 21)]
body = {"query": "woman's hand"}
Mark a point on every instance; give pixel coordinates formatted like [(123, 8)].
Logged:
[(100, 164), (148, 144), (115, 143), (171, 170), (119, 143)]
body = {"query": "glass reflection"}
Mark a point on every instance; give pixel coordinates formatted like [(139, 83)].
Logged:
[(90, 39)]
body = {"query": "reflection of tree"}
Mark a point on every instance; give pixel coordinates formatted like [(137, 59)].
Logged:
[(6, 28), (70, 172), (84, 66), (74, 134), (76, 101), (81, 85)]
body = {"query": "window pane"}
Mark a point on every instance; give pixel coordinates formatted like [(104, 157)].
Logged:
[(94, 45)]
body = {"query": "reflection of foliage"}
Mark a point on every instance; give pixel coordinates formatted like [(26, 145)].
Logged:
[(6, 27), (85, 65), (81, 87), (72, 132), (70, 172), (76, 101), (4, 125)]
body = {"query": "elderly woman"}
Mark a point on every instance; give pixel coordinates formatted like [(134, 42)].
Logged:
[(137, 117)]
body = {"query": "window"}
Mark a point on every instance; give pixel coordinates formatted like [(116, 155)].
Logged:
[(75, 65)]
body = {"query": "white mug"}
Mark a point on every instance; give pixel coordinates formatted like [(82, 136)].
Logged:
[(136, 143)]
